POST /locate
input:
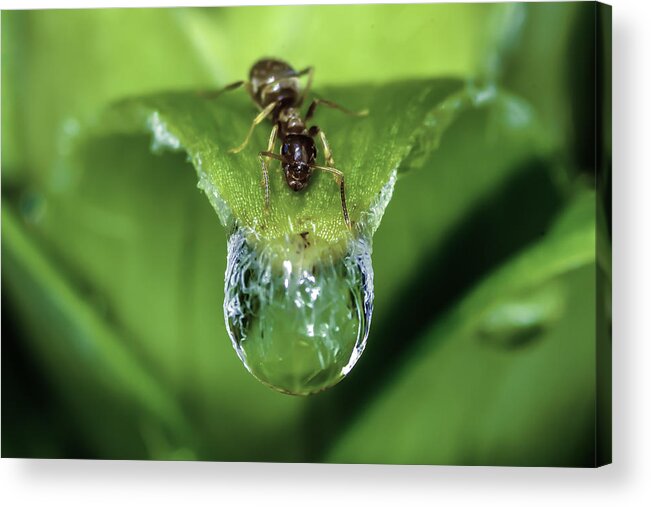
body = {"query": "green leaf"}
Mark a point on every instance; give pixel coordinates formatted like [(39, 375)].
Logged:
[(367, 150), (69, 334), (513, 348)]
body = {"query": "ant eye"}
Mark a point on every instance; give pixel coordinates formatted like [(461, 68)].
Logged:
[(285, 149)]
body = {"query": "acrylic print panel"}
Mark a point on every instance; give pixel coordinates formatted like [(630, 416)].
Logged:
[(407, 262)]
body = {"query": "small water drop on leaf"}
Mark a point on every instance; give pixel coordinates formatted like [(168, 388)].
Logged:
[(519, 320)]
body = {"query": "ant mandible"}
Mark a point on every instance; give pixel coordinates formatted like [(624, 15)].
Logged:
[(275, 89)]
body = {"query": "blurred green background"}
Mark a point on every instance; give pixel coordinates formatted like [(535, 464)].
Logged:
[(490, 340)]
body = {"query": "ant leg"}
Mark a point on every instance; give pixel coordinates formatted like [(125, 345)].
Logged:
[(310, 77), (265, 172), (213, 94), (268, 154), (333, 105), (327, 153), (339, 178), (257, 120)]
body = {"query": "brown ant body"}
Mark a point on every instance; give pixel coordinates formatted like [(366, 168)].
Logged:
[(275, 88)]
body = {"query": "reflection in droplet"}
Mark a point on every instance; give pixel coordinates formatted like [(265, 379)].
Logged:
[(519, 320), (298, 313)]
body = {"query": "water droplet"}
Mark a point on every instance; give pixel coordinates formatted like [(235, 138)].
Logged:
[(298, 311), (518, 321)]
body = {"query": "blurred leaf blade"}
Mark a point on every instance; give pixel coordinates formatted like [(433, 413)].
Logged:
[(70, 333), (440, 371), (442, 39)]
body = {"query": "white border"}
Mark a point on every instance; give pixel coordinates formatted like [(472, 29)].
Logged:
[(627, 482)]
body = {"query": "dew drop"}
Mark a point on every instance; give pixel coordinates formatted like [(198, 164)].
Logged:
[(518, 321), (298, 311)]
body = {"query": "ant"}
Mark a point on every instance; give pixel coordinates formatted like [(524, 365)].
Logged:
[(274, 87)]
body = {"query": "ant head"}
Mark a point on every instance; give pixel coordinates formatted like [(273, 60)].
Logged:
[(298, 152)]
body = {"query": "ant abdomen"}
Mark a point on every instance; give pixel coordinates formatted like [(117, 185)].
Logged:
[(274, 81)]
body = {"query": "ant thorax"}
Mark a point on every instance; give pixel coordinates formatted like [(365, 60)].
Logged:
[(291, 121)]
